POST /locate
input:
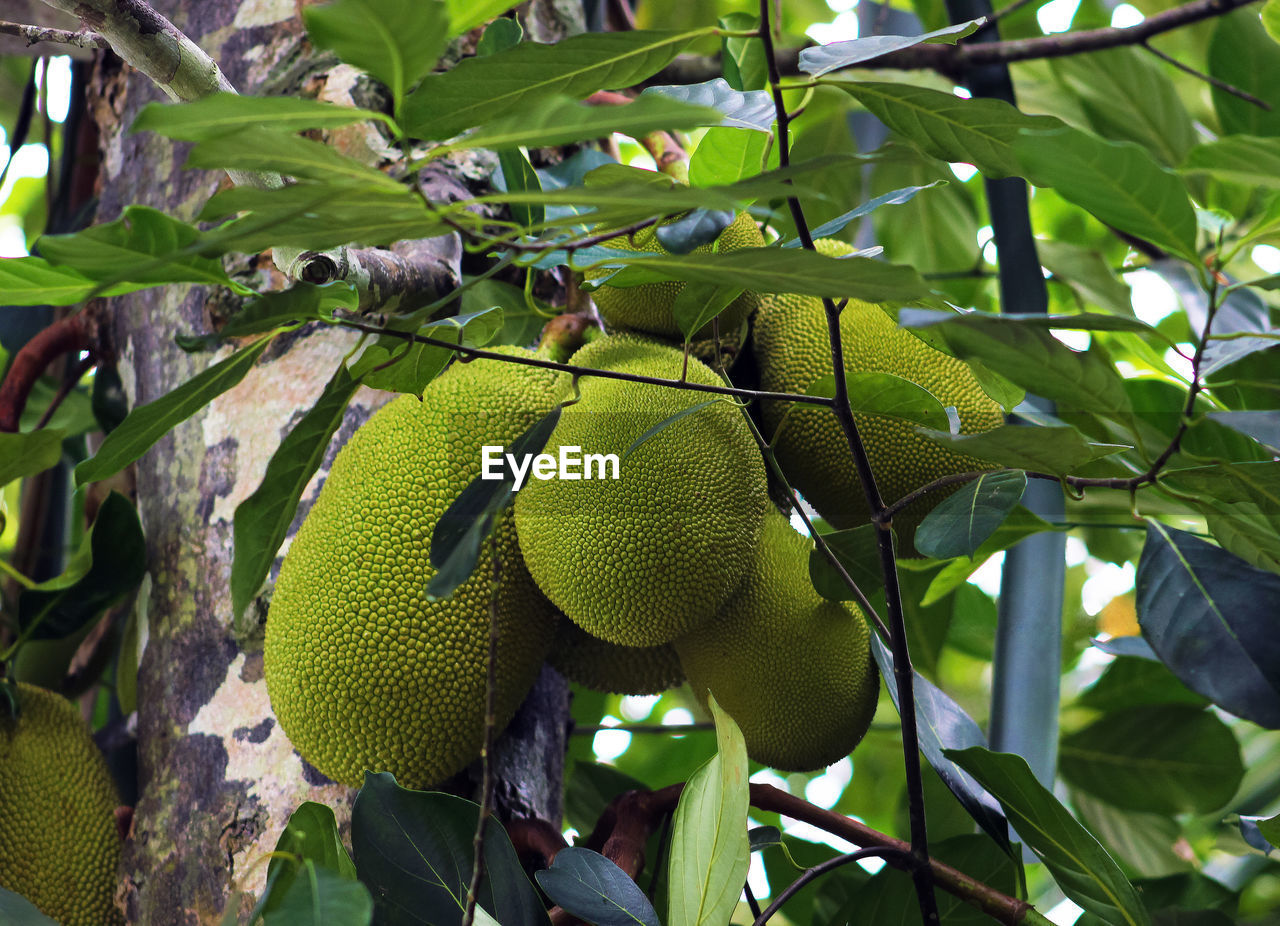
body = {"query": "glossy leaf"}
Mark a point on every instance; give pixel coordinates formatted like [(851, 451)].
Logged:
[(396, 41), (413, 850), (963, 521), (319, 897), (885, 394), (1018, 526), (836, 225), (25, 454), (726, 156), (1210, 618), (1163, 758), (698, 304), (1264, 427), (944, 726), (227, 113), (397, 365), (262, 520), (594, 889), (858, 551), (823, 59), (480, 90), (1048, 450), (1082, 868), (750, 109), (700, 227), (146, 424), (710, 852), (1119, 182), (1244, 56)]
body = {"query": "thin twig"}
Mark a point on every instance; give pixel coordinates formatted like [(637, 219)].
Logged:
[(35, 34), (68, 335), (817, 871), (1207, 78)]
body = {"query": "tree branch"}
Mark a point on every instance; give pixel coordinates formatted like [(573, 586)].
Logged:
[(33, 35), (72, 334)]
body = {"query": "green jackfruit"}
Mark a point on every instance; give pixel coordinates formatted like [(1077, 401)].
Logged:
[(363, 671), (647, 307), (794, 670), (59, 847), (643, 558), (793, 350), (601, 666)]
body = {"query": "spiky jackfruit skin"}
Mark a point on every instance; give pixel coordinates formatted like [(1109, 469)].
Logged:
[(794, 670), (362, 670), (601, 666), (792, 350), (58, 842), (642, 559), (647, 307)]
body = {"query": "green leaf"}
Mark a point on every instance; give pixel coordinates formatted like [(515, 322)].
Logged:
[(823, 59), (397, 41), (560, 121), (311, 835), (265, 149), (1083, 321), (518, 174), (698, 303), (520, 321), (16, 910), (299, 303), (1238, 159), (1019, 525), (263, 519), (465, 15), (397, 365), (1119, 182), (726, 156), (710, 852), (413, 850), (836, 225), (1082, 868), (590, 788), (1241, 504), (146, 424), (859, 552), (1162, 758), (480, 90), (1271, 829), (980, 132), (228, 113), (778, 270), (1088, 274), (960, 524), (1242, 54), (34, 281), (110, 564), (499, 35), (142, 246), (594, 889), (1209, 616), (1047, 450), (1264, 427), (664, 423), (319, 897), (26, 454), (1024, 352), (742, 60), (884, 394), (751, 109), (1131, 682)]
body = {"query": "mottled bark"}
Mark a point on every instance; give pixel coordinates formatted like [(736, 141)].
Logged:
[(218, 777)]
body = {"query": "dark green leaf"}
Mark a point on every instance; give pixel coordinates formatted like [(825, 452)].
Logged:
[(1143, 842), (228, 113), (1210, 618), (752, 109), (1047, 450), (710, 852), (1264, 427), (115, 553), (1132, 682), (1163, 758), (775, 270), (264, 149), (962, 522), (319, 897), (300, 302), (1089, 275), (699, 227), (263, 519), (763, 837), (943, 725), (1019, 525), (480, 90), (859, 553), (590, 788), (1082, 868), (397, 41), (1270, 829), (462, 529), (16, 910), (34, 281), (594, 889), (980, 132), (312, 834), (499, 35), (727, 156), (742, 60), (146, 424), (885, 394), (399, 365), (413, 850), (823, 59), (1084, 321), (26, 454), (699, 303), (1119, 182), (520, 322), (1241, 505), (1244, 56), (518, 174), (836, 225)]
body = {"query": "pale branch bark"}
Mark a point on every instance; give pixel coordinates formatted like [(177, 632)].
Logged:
[(953, 59), (33, 35)]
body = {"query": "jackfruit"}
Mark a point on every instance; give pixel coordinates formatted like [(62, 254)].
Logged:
[(601, 666), (59, 847), (363, 671), (647, 307), (793, 669), (792, 351), (643, 558)]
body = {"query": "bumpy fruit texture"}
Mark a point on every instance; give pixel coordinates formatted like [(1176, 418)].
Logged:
[(794, 670), (647, 307), (792, 350), (601, 666), (644, 558), (58, 842), (363, 671)]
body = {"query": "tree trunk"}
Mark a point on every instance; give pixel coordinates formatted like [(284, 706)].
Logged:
[(218, 778)]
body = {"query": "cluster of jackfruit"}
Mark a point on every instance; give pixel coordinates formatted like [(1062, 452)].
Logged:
[(679, 567)]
